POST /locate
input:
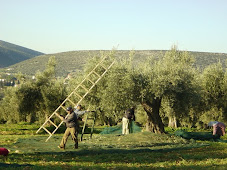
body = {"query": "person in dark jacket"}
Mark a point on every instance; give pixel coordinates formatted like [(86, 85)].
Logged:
[(127, 119), (72, 125)]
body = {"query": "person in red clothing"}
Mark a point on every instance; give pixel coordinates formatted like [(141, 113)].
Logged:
[(219, 130), (4, 152)]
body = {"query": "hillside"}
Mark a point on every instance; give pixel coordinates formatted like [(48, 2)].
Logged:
[(12, 54), (74, 60)]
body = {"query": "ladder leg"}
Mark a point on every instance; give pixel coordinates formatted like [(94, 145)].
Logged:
[(92, 128), (82, 133)]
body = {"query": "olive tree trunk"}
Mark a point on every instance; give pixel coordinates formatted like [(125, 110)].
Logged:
[(154, 121)]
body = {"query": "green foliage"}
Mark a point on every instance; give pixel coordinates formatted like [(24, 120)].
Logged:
[(167, 85), (213, 83), (33, 100), (172, 73), (28, 97), (169, 82), (52, 96), (212, 114), (9, 106), (224, 88), (114, 93), (174, 80)]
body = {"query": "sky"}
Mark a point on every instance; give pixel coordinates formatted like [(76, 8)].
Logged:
[(53, 26)]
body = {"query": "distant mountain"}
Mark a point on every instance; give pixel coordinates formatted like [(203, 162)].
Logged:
[(74, 61), (11, 54)]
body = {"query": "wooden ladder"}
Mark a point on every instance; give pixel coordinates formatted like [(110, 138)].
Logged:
[(81, 91), (91, 117)]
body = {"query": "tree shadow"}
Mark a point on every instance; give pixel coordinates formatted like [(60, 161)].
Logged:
[(140, 156), (14, 165), (101, 155)]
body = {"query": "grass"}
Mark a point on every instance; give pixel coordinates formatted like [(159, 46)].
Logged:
[(142, 150), (18, 129)]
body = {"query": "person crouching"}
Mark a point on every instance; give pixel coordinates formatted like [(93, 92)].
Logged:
[(4, 152)]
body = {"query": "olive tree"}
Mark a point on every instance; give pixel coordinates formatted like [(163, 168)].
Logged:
[(213, 82), (51, 90), (170, 78), (127, 83), (33, 100), (114, 92)]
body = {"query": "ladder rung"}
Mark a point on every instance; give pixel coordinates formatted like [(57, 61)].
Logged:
[(47, 120), (96, 74), (90, 81), (63, 108), (99, 78), (84, 88), (87, 92), (46, 130), (54, 131), (63, 103), (71, 102), (103, 66), (78, 95), (52, 123)]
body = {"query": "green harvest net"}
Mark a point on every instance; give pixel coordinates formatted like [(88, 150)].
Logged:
[(118, 129), (197, 135)]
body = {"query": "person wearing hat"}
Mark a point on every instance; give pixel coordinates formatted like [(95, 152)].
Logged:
[(72, 125)]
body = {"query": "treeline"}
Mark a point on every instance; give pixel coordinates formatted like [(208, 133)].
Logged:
[(166, 92), (32, 100), (74, 61)]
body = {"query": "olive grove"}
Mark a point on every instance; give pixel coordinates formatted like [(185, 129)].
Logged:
[(171, 91)]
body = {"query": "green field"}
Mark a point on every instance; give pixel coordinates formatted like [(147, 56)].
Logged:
[(142, 150)]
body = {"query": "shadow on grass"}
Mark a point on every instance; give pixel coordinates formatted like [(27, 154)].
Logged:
[(102, 155), (14, 165), (120, 158), (113, 158), (194, 167)]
